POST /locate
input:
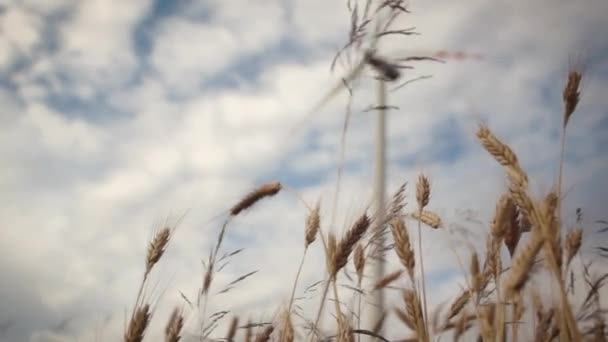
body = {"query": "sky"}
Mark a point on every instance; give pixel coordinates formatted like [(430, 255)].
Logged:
[(116, 116)]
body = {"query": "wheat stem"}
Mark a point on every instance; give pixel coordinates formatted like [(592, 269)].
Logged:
[(422, 277), (295, 283)]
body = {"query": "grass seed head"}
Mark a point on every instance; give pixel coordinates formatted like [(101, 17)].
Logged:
[(397, 203), (266, 190), (332, 246), (138, 324), (476, 276), (174, 326), (359, 260), (414, 311), (313, 222), (514, 227), (571, 94), (265, 334), (387, 279), (345, 331), (287, 333), (503, 154), (423, 191), (573, 243), (493, 260), (232, 329), (156, 248), (403, 246), (346, 245), (428, 217), (505, 209), (459, 304), (522, 265)]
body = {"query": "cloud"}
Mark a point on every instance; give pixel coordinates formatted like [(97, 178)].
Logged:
[(187, 53), (125, 113), (20, 34), (86, 50)]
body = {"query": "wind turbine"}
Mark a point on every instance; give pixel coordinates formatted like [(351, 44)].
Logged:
[(386, 72)]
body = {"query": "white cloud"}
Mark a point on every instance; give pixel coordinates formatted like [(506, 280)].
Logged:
[(184, 64), (20, 33), (188, 53), (317, 23), (95, 49), (62, 137), (97, 40), (44, 7)]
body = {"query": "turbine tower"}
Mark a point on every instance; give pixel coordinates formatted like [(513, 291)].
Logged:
[(377, 308)]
